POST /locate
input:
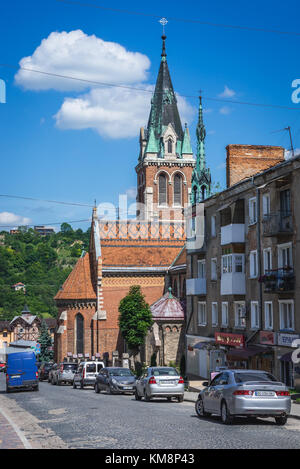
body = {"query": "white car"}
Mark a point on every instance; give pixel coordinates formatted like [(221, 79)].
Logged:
[(86, 374)]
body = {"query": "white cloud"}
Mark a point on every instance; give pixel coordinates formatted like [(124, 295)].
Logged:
[(113, 112), (227, 93), (8, 219), (86, 57), (225, 110), (288, 153)]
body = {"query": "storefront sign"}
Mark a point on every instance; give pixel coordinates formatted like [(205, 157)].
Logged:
[(286, 340), (233, 340), (267, 338)]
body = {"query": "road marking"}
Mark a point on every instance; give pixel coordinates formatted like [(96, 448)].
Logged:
[(20, 434)]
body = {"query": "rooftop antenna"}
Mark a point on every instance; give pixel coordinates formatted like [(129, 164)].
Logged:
[(291, 139)]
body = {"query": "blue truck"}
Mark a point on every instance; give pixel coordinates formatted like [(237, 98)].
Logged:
[(21, 371)]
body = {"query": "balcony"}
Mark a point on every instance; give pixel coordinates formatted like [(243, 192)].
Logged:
[(234, 233), (233, 283), (280, 280), (278, 223), (196, 286)]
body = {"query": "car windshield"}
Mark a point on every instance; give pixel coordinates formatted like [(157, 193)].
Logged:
[(120, 372), (252, 376), (70, 366), (91, 368), (165, 372)]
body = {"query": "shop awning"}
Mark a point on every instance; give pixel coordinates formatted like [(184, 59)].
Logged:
[(243, 354), (287, 357)]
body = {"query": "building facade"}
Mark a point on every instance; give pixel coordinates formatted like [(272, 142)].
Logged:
[(243, 290)]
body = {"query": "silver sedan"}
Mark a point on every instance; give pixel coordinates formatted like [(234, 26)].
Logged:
[(160, 382), (249, 393)]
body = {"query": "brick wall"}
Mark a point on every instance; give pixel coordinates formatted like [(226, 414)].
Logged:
[(244, 161)]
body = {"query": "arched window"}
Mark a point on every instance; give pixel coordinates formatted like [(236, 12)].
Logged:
[(162, 187), (203, 192), (177, 189), (79, 334), (195, 194), (170, 146)]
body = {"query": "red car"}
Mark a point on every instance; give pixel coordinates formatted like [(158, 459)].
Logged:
[(2, 366)]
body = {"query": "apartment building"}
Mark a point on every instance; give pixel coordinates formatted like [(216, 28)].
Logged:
[(243, 286)]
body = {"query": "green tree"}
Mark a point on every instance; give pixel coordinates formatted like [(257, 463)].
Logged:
[(45, 341), (135, 318)]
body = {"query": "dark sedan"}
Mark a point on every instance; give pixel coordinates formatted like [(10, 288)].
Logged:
[(44, 371), (115, 381)]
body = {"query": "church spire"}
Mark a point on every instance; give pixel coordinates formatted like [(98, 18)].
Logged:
[(201, 178)]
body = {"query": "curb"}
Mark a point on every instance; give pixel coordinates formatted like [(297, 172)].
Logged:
[(16, 430)]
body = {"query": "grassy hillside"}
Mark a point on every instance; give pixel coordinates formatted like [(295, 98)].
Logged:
[(41, 263)]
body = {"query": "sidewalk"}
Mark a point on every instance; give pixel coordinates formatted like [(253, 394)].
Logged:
[(193, 396), (10, 436)]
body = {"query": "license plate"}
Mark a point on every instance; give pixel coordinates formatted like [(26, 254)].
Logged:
[(167, 382), (15, 376), (127, 387), (265, 393)]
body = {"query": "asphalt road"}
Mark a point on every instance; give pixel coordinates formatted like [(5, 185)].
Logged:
[(84, 419)]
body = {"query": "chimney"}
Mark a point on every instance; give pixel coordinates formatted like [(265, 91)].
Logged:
[(244, 161)]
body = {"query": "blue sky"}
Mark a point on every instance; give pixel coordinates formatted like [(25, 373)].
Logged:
[(79, 156)]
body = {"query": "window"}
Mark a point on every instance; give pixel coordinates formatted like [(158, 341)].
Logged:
[(266, 207), (225, 314), (252, 211), (253, 264), (201, 314), (177, 190), (162, 189), (213, 226), (201, 269), (239, 263), (267, 259), (214, 274), (227, 264), (240, 314), (170, 146), (214, 314), (268, 315), (254, 315), (286, 313), (285, 202), (285, 258)]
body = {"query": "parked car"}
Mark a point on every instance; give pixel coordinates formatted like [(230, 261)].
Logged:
[(2, 366), (44, 370), (21, 371), (86, 374), (160, 382), (64, 373), (51, 373), (115, 380), (251, 393)]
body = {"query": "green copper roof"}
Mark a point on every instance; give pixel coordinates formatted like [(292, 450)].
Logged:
[(186, 145), (164, 110)]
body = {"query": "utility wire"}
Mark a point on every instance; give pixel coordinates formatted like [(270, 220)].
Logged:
[(68, 77), (49, 201), (184, 20), (45, 224)]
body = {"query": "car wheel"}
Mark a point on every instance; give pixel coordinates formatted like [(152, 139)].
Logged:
[(281, 420), (81, 385), (199, 407), (147, 398), (97, 389), (74, 385), (109, 390), (225, 415), (36, 388), (169, 399), (7, 390), (180, 398), (137, 397)]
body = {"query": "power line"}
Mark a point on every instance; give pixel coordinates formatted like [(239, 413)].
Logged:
[(49, 201), (45, 224), (93, 82), (184, 20)]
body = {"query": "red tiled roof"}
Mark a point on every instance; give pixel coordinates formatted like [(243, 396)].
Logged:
[(79, 283), (180, 259), (143, 254)]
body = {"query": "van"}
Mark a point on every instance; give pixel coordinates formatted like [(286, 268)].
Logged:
[(86, 374), (21, 371)]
